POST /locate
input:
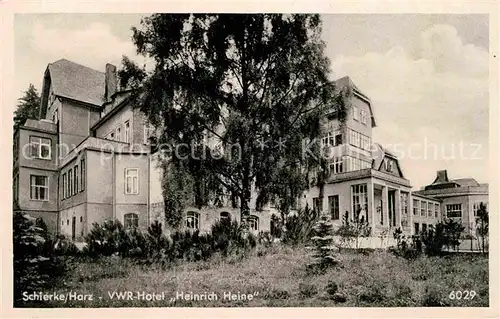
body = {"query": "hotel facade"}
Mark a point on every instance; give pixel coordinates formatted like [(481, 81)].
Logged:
[(88, 159)]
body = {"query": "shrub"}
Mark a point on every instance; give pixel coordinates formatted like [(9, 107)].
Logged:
[(353, 229), (265, 239), (324, 255), (332, 288), (299, 227), (106, 239), (307, 290), (35, 264)]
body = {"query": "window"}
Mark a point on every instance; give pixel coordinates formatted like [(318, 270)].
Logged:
[(454, 210), (416, 228), (404, 209), (70, 182), (423, 209), (81, 219), (112, 136), (416, 206), (436, 210), (193, 220), (359, 199), (76, 179), (333, 204), (336, 166), (225, 215), (131, 221), (430, 208), (477, 206), (118, 134), (55, 117), (363, 117), (127, 132), (333, 138), (64, 183), (253, 222), (39, 187), (40, 147), (359, 140), (355, 113), (424, 228), (389, 165), (316, 204), (148, 132), (131, 181), (82, 174)]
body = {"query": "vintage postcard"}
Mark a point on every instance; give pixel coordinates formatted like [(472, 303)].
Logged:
[(265, 159)]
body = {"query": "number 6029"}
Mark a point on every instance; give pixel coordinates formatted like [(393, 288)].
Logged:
[(462, 294)]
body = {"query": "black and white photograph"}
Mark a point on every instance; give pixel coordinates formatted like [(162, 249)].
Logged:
[(262, 160)]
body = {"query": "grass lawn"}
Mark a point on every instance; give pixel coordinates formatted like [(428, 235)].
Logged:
[(279, 277)]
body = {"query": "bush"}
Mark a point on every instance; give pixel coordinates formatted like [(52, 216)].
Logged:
[(307, 290), (324, 255), (332, 288), (299, 227), (36, 264), (353, 229)]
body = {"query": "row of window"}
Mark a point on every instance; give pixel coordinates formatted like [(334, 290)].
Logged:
[(359, 140), (417, 230), (116, 134), (192, 220), (73, 181), (347, 164), (359, 196), (360, 115), (425, 209), (332, 138)]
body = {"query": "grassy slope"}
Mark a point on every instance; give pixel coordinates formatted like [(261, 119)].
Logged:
[(280, 277)]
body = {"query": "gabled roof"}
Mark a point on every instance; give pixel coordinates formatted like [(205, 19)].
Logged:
[(379, 154), (347, 82), (73, 81)]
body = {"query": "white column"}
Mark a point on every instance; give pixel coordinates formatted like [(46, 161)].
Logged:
[(371, 207), (385, 205), (398, 207)]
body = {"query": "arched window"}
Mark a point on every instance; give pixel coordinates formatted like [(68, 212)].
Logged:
[(192, 220), (253, 222), (225, 215), (131, 220)]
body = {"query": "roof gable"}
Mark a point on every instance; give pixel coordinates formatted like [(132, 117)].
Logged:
[(73, 81), (347, 82)]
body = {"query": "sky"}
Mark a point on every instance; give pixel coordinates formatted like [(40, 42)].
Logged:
[(426, 76)]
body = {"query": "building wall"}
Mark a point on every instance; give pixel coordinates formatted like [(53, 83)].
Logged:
[(138, 124), (99, 177), (115, 121), (74, 125), (25, 202), (356, 125), (66, 220), (98, 213), (24, 155)]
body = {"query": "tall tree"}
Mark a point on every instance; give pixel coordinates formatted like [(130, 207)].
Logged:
[(28, 106), (255, 85)]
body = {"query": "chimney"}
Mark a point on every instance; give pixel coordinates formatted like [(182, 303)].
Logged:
[(442, 177), (110, 81)]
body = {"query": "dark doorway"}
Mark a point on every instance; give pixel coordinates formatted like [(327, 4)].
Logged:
[(392, 208), (73, 228)]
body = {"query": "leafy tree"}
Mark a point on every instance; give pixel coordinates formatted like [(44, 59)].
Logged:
[(256, 85), (453, 231), (28, 106), (483, 225)]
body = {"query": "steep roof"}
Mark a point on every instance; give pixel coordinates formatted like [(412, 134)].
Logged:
[(77, 82), (73, 81), (347, 82)]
